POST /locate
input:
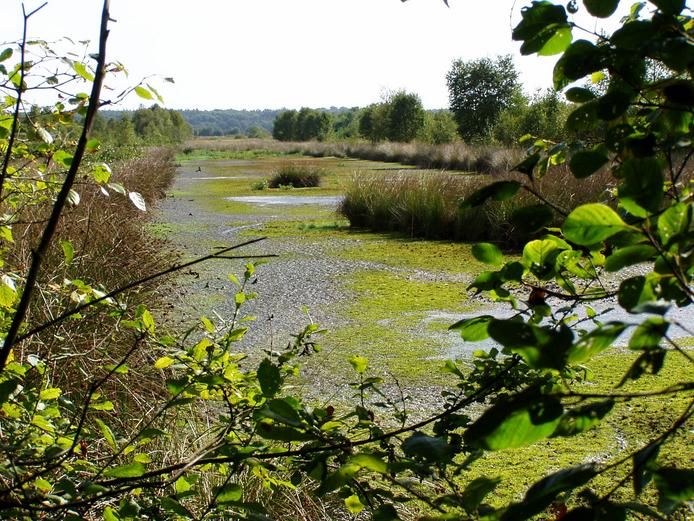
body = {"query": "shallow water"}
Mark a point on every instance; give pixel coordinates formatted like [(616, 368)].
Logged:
[(288, 200)]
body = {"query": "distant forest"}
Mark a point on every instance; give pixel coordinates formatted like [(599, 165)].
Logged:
[(228, 122)]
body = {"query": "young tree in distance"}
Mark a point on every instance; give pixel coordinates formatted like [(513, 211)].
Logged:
[(478, 91)]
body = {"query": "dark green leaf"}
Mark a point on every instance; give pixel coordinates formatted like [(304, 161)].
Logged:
[(540, 347), (269, 378), (629, 256), (476, 491), (643, 466), (229, 493), (499, 191), (673, 222), (586, 162), (427, 448), (6, 389), (680, 92), (634, 35), (601, 8), (634, 292), (172, 505), (592, 223), (473, 329), (130, 470), (595, 342), (487, 253), (650, 361), (642, 182), (648, 334), (579, 95), (516, 422), (528, 164), (532, 218), (386, 513), (5, 54), (541, 494), (675, 487), (584, 117), (580, 59), (487, 281), (281, 411), (581, 419), (672, 7)]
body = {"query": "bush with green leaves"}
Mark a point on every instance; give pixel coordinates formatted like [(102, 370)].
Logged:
[(65, 456)]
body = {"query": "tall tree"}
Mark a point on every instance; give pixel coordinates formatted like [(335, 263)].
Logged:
[(478, 91), (405, 117)]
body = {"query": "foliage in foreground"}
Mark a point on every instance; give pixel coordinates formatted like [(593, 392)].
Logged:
[(65, 456)]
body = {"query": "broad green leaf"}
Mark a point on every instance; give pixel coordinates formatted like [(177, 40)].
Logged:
[(648, 334), (6, 54), (642, 183), (675, 484), (107, 434), (629, 256), (386, 513), (583, 418), (473, 329), (558, 42), (592, 223), (579, 95), (634, 292), (110, 515), (580, 59), (595, 342), (8, 292), (353, 504), (281, 411), (499, 191), (182, 486), (130, 470), (674, 221), (540, 347), (533, 218), (522, 420), (428, 448), (359, 363), (101, 173), (476, 491), (601, 8), (81, 69), (269, 378), (487, 253), (50, 394), (586, 162), (172, 505), (370, 462), (138, 201), (644, 463), (541, 494), (68, 251), (143, 93), (164, 362), (229, 493)]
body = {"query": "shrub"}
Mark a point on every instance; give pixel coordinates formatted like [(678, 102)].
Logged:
[(296, 175)]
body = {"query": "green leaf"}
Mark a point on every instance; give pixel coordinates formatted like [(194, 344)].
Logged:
[(353, 504), (427, 448), (648, 334), (229, 493), (581, 419), (674, 484), (6, 54), (629, 256), (487, 253), (644, 463), (281, 411), (580, 59), (558, 42), (81, 69), (642, 183), (541, 494), (674, 222), (269, 378), (579, 95), (101, 173), (522, 420), (540, 347), (6, 389), (164, 362), (50, 394), (595, 342), (543, 29), (359, 363), (181, 486), (130, 470), (171, 505), (68, 251), (386, 513), (499, 191), (671, 7), (601, 8), (533, 218), (476, 491), (107, 433), (592, 223), (143, 93), (370, 462), (473, 329), (110, 515), (586, 162), (634, 292)]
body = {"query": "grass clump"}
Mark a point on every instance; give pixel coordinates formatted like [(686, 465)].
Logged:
[(296, 175), (427, 205)]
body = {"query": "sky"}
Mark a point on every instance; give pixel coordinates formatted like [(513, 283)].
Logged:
[(254, 54)]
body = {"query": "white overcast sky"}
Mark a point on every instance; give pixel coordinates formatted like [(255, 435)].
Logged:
[(252, 54)]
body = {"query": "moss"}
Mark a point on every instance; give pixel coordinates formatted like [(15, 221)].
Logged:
[(442, 256)]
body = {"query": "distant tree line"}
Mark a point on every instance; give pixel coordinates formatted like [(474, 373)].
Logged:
[(146, 126)]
